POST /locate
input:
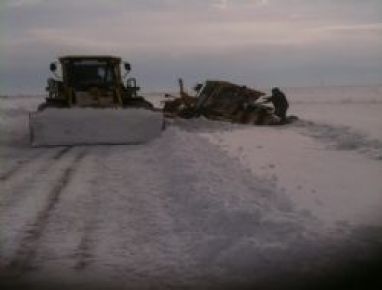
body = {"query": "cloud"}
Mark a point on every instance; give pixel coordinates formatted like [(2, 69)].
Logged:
[(168, 37), (377, 27), (225, 4), (141, 4), (21, 3), (66, 39)]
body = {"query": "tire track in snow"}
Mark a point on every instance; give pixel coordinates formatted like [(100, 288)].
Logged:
[(21, 165), (70, 238), (61, 153), (24, 163), (84, 253), (27, 248), (19, 188), (85, 248), (113, 214)]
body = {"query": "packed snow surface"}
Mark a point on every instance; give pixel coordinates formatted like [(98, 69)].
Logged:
[(206, 205)]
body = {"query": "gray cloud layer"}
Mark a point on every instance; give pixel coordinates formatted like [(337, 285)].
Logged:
[(258, 42)]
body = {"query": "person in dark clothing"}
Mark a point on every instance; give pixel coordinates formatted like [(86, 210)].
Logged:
[(279, 102)]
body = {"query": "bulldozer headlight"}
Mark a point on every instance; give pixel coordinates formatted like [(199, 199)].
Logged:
[(127, 66), (53, 67)]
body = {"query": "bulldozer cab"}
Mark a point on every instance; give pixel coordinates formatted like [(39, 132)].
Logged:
[(90, 81), (82, 74)]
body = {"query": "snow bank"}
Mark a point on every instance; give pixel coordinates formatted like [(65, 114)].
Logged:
[(14, 119)]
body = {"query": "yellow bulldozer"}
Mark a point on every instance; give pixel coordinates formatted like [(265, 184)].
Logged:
[(90, 101)]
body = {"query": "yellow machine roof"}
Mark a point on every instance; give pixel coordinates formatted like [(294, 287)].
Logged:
[(99, 57)]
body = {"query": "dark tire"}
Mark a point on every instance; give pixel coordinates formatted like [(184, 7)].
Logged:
[(42, 107), (138, 102), (291, 119)]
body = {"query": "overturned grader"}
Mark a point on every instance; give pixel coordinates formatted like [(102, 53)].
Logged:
[(221, 100)]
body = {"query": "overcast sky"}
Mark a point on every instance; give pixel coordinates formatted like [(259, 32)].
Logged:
[(254, 42)]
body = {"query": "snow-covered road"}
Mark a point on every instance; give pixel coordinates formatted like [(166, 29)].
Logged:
[(205, 206)]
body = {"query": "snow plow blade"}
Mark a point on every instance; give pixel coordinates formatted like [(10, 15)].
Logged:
[(90, 126)]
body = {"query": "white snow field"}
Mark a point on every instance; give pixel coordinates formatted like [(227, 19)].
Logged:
[(206, 205)]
